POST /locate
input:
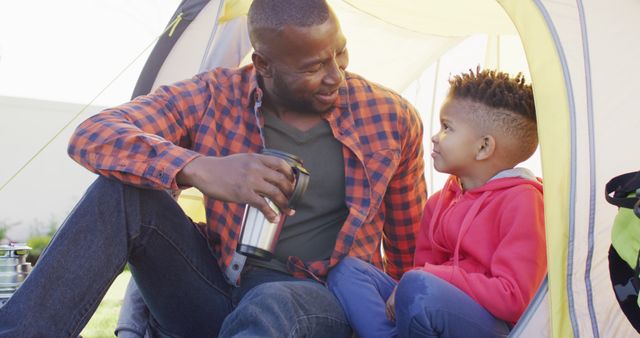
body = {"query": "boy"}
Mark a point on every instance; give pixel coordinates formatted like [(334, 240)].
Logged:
[(480, 253)]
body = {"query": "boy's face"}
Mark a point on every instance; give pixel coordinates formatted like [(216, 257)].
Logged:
[(457, 143)]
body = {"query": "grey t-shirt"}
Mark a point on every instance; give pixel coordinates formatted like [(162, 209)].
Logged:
[(311, 233)]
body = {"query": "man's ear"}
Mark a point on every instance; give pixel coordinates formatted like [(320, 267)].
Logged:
[(487, 147), (263, 67)]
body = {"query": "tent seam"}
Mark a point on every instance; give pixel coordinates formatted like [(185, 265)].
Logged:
[(572, 180), (535, 303), (592, 169), (214, 31)]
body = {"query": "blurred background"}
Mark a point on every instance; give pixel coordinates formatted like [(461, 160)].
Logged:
[(56, 59)]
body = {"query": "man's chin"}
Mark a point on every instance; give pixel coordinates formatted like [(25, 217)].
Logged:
[(327, 110), (314, 108), (324, 108), (319, 110)]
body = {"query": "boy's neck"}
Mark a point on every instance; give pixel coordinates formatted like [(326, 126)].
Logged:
[(469, 183), (480, 178)]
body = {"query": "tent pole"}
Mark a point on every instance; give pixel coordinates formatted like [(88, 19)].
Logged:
[(433, 116)]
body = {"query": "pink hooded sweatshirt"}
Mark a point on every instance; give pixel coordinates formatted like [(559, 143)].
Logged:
[(489, 241)]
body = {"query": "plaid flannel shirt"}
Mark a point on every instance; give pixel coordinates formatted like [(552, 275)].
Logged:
[(148, 141)]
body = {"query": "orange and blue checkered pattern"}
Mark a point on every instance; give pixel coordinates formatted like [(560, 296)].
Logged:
[(148, 141)]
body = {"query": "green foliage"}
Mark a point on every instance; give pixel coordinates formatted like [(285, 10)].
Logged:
[(104, 320), (5, 225), (39, 241), (37, 244), (3, 231)]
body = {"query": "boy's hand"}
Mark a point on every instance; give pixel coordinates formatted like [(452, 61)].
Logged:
[(390, 308)]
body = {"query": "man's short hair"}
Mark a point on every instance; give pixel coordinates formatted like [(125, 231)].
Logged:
[(510, 101), (276, 14)]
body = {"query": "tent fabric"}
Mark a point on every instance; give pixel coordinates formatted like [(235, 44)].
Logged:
[(206, 43), (458, 18), (579, 157), (545, 59), (581, 56), (536, 321), (185, 13)]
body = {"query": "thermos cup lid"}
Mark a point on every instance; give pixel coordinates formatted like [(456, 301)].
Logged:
[(301, 173), (290, 158)]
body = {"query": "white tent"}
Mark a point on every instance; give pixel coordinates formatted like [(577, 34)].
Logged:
[(580, 55)]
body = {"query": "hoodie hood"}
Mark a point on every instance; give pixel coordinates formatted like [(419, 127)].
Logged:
[(504, 180)]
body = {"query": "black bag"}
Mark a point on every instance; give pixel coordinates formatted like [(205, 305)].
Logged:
[(623, 191), (626, 191)]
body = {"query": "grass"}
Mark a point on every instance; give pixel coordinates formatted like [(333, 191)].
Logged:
[(104, 320)]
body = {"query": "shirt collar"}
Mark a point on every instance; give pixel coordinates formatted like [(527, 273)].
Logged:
[(341, 117), (255, 92)]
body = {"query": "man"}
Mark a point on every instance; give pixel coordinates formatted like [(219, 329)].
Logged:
[(361, 143)]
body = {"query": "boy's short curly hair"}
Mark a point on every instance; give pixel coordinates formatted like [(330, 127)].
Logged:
[(511, 109)]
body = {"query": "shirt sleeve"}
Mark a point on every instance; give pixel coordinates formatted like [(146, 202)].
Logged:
[(405, 198), (519, 262), (146, 141)]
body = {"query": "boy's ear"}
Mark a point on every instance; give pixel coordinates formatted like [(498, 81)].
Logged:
[(487, 147), (262, 64)]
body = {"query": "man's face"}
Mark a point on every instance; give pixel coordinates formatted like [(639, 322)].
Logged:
[(456, 144), (308, 65)]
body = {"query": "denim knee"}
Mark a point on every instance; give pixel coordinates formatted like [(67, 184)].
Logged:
[(414, 291), (107, 187), (300, 299), (427, 305), (269, 296), (346, 268), (418, 283), (103, 185), (287, 309)]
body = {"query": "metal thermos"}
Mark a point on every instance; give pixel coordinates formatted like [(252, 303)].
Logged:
[(258, 236), (14, 268)]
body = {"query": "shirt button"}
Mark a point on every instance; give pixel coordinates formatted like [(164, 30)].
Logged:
[(235, 267)]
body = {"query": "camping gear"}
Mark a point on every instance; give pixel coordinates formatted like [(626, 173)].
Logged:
[(623, 191), (259, 236), (14, 268)]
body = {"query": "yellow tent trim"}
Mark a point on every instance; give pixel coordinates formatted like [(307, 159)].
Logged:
[(233, 9), (192, 203), (172, 26), (552, 107)]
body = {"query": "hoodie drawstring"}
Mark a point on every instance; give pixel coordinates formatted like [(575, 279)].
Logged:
[(466, 222), (436, 212)]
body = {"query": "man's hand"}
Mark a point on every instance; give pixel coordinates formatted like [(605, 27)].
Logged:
[(390, 308), (242, 178)]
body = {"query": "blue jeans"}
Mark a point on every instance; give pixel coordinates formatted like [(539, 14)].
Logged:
[(133, 321), (425, 305), (174, 268)]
